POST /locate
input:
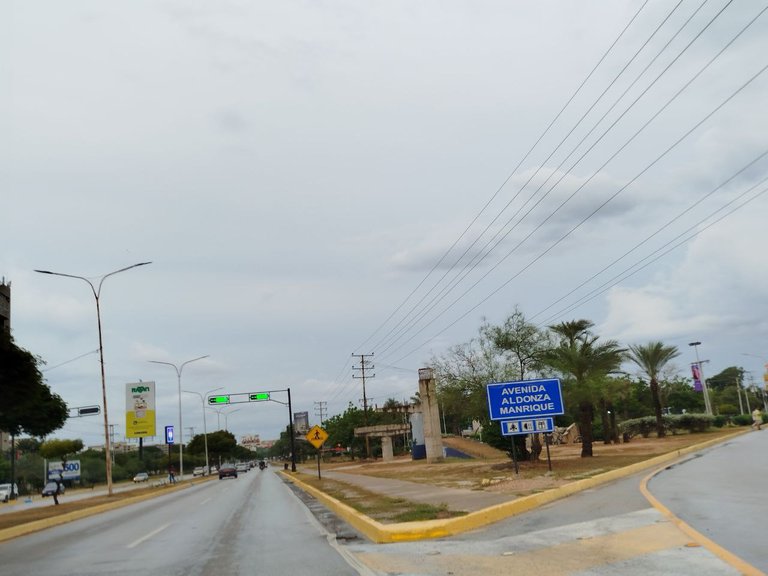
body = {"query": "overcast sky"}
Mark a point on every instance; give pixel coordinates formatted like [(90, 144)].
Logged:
[(313, 180)]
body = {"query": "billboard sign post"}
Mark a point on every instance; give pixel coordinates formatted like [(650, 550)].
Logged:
[(140, 410)]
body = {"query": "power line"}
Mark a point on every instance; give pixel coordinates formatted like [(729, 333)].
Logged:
[(504, 183), (485, 251), (581, 223)]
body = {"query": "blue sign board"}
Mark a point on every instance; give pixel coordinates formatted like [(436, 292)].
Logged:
[(528, 426), (524, 399), (169, 434)]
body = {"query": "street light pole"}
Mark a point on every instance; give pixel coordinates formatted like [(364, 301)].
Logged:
[(226, 416), (179, 370), (705, 389), (96, 295), (205, 430), (765, 378)]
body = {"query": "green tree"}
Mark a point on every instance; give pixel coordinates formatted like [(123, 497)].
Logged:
[(522, 345), (652, 358), (462, 375), (584, 363), (28, 403)]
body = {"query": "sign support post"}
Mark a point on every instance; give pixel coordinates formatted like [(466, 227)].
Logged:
[(317, 437)]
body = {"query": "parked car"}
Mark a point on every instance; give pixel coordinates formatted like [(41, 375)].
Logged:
[(199, 471), (51, 487), (6, 493), (227, 470), (141, 477)]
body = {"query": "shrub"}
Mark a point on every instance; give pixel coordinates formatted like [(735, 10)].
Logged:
[(672, 424)]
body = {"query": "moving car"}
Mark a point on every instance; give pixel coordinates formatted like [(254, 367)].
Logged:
[(141, 477), (242, 467), (50, 489), (6, 494), (227, 470)]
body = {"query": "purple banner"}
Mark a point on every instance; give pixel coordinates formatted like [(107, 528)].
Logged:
[(696, 378)]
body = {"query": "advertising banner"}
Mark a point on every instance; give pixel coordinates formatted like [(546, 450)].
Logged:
[(696, 371), (69, 472), (140, 410)]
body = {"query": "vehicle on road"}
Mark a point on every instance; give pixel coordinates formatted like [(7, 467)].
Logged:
[(242, 467), (199, 471), (6, 493), (51, 489), (262, 464), (227, 471), (141, 477)]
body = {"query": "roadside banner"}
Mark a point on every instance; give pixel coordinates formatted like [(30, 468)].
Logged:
[(140, 410)]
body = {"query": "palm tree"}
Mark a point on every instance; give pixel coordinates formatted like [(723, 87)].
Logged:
[(652, 358), (587, 362)]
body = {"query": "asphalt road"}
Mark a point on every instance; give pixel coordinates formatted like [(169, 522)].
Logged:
[(721, 493), (249, 525)]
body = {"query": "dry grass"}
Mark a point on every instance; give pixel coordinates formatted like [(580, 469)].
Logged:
[(496, 472), (381, 508)]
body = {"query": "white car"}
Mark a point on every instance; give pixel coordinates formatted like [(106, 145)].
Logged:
[(199, 471), (5, 492)]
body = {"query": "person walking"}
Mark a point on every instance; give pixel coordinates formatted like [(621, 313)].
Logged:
[(172, 475), (757, 418)]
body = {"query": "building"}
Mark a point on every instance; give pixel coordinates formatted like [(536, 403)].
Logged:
[(5, 306)]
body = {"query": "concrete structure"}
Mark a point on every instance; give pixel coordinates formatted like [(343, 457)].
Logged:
[(433, 438), (385, 432), (5, 306)]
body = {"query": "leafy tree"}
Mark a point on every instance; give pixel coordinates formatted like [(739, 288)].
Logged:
[(680, 396), (59, 448), (341, 428), (584, 363), (652, 358), (28, 403), (522, 346), (221, 446), (28, 445), (462, 375)]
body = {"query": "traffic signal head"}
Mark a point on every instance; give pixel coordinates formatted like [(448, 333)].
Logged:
[(218, 399), (258, 397)]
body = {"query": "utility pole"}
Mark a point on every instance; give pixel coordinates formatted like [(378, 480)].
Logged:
[(191, 432), (321, 410), (364, 365), (112, 441)]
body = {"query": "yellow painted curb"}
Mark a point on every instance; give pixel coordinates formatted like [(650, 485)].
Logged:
[(428, 529), (38, 525)]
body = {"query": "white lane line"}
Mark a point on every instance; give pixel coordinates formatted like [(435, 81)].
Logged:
[(148, 536), (206, 501)]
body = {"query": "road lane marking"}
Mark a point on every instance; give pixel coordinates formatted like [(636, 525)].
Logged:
[(148, 536), (206, 501)]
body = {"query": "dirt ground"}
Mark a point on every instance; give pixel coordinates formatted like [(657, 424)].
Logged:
[(492, 470)]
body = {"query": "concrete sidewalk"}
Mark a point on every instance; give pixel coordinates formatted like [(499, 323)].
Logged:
[(457, 499)]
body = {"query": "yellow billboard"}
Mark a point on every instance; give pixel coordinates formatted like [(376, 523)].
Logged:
[(140, 410)]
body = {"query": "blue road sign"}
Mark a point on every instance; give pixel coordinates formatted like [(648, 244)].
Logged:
[(169, 435), (528, 426), (524, 399)]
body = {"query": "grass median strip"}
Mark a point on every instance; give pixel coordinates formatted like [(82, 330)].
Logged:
[(383, 509)]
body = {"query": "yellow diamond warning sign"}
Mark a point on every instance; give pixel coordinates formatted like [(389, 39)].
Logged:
[(316, 436)]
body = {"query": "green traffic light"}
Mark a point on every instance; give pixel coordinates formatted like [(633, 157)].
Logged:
[(259, 397), (218, 400)]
